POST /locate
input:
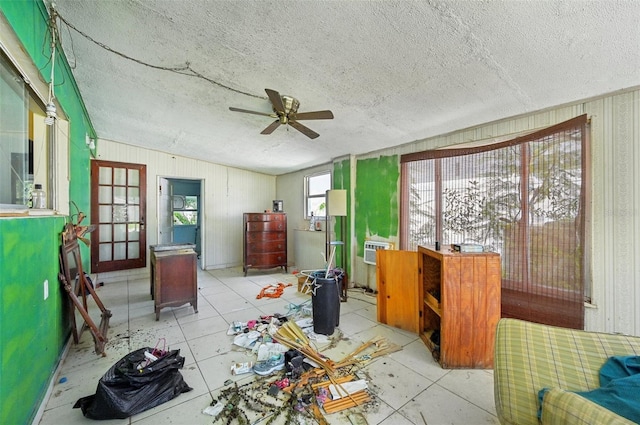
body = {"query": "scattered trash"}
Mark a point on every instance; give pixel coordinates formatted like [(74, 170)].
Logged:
[(269, 349), (236, 328), (213, 410), (273, 390), (241, 368), (318, 337), (271, 291), (323, 396), (125, 390), (246, 340), (307, 322), (292, 375), (268, 367), (346, 389), (282, 383)]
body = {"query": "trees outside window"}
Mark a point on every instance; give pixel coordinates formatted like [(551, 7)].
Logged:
[(315, 190), (524, 198), (187, 213)]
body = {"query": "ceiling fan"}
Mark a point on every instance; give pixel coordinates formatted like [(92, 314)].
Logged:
[(285, 111)]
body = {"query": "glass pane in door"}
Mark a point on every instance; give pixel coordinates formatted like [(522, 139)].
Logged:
[(118, 206)]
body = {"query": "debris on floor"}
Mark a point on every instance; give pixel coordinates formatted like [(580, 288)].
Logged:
[(273, 291), (139, 381), (294, 380)]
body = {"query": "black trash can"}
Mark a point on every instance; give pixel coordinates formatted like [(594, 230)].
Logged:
[(325, 303)]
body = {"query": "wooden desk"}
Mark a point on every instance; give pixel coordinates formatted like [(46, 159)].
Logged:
[(459, 296), (173, 278)]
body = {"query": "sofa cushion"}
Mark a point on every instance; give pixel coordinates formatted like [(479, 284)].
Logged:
[(560, 407), (530, 356)]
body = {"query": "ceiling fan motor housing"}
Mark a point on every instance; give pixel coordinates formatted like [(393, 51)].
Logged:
[(291, 105)]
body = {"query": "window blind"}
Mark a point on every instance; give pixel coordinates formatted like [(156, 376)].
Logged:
[(523, 198)]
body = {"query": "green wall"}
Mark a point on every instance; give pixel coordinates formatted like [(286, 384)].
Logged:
[(34, 331), (342, 180), (376, 202)]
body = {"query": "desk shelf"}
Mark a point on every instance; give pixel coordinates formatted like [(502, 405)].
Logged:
[(467, 313)]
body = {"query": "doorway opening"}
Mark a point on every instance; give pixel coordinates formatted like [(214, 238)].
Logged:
[(180, 212)]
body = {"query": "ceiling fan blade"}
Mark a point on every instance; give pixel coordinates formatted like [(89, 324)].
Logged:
[(246, 111), (314, 115), (275, 99), (271, 127), (304, 130)]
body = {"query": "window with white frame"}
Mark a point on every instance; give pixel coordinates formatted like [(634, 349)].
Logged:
[(315, 192), (185, 210), (25, 144), (31, 152)]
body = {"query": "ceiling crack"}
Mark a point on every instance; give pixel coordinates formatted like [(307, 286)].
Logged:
[(479, 48)]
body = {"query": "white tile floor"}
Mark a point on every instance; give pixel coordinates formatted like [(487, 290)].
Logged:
[(408, 386)]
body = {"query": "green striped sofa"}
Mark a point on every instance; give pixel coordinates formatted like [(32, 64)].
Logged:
[(529, 357)]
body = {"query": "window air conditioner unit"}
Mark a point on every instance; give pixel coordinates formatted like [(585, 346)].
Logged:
[(370, 248)]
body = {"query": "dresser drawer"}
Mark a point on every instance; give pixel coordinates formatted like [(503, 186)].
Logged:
[(264, 246), (265, 217), (269, 259), (266, 226), (251, 237), (265, 241)]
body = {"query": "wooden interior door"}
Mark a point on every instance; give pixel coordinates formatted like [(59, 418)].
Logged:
[(118, 211)]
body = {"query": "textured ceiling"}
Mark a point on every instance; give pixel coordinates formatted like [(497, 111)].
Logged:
[(392, 72)]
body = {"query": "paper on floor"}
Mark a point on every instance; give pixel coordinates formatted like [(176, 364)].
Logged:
[(352, 387)]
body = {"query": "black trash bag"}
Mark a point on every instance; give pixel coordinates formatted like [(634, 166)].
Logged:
[(126, 390)]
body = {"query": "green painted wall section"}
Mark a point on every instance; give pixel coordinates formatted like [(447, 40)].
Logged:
[(29, 21), (376, 202), (33, 331), (342, 180)]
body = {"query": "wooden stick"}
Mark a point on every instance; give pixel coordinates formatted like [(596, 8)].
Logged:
[(317, 414), (335, 406), (296, 331), (363, 347), (333, 252), (285, 339), (337, 382), (325, 384), (384, 348)]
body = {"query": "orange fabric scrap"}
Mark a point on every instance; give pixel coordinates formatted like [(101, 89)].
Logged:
[(271, 291)]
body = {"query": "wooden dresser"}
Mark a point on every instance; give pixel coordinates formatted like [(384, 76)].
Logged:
[(265, 241), (174, 280)]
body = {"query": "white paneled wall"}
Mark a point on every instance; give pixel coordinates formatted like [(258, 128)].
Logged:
[(228, 193), (615, 131), (290, 188)]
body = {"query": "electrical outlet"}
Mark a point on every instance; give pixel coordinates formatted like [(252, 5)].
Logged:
[(46, 289)]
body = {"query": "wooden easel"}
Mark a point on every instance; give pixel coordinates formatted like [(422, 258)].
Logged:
[(72, 272)]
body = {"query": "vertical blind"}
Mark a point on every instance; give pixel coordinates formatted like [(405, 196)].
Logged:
[(523, 198)]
